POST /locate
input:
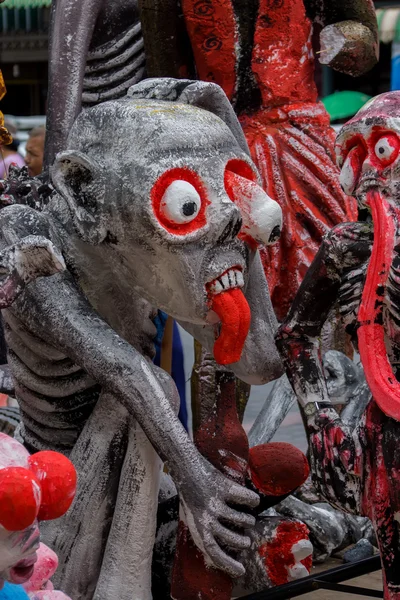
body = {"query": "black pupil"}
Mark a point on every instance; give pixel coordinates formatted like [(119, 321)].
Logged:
[(381, 150), (189, 208)]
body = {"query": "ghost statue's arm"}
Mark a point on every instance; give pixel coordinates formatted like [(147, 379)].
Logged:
[(56, 309), (334, 449), (349, 38)]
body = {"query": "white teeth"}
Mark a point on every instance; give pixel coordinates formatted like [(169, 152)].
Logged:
[(216, 287), (225, 281), (239, 279), (230, 280)]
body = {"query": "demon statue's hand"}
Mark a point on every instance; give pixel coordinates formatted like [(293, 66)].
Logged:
[(206, 501), (23, 262), (348, 47)]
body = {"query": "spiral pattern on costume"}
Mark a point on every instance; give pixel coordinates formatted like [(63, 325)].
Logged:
[(212, 43)]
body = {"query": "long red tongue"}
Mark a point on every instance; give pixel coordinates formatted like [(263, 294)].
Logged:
[(371, 334), (234, 312)]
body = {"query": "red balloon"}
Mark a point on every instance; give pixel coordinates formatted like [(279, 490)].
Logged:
[(277, 468), (57, 477), (20, 497)]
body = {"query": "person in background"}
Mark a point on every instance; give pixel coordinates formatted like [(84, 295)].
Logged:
[(9, 154), (35, 151)]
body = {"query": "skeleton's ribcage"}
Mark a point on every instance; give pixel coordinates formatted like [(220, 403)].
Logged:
[(350, 293), (55, 396), (113, 67)]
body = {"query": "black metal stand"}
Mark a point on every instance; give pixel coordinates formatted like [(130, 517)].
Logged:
[(326, 580)]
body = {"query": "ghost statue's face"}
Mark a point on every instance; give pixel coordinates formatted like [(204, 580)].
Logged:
[(368, 150), (182, 208)]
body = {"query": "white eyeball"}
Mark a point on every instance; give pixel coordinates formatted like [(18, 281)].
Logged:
[(384, 148), (181, 202), (350, 172)]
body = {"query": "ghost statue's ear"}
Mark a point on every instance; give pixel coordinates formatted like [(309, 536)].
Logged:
[(82, 183), (206, 95)]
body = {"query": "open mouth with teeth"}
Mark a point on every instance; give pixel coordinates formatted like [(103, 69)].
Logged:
[(227, 300)]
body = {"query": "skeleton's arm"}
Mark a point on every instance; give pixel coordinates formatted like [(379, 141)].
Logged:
[(349, 40), (72, 25), (335, 454)]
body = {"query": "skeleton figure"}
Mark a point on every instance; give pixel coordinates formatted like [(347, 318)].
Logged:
[(143, 219), (358, 470)]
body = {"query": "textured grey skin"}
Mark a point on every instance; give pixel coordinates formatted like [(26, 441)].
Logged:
[(80, 342)]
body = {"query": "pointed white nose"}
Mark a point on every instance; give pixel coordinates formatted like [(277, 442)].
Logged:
[(262, 216)]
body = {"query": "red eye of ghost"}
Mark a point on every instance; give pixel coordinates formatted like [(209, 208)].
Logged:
[(238, 167), (387, 148), (179, 201)]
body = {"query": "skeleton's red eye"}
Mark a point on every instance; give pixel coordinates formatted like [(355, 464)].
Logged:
[(179, 201), (387, 148)]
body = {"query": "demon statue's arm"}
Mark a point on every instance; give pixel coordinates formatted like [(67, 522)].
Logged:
[(334, 447), (204, 492), (349, 38)]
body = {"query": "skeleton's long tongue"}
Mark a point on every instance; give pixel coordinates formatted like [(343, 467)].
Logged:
[(234, 312), (371, 333)]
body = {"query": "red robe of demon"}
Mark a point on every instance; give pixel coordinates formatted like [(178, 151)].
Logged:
[(260, 53), (358, 266)]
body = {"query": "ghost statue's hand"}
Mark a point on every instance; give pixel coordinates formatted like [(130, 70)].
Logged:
[(348, 47), (20, 264), (207, 501)]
